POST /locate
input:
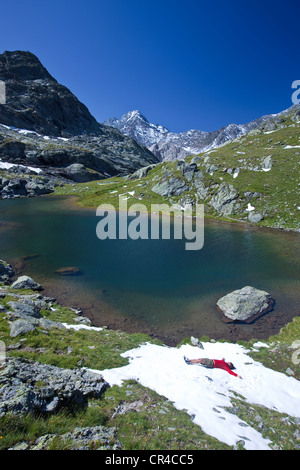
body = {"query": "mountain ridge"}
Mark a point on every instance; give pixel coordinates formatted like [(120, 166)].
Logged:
[(44, 126), (167, 145)]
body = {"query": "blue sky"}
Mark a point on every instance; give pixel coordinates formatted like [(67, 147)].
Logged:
[(183, 63)]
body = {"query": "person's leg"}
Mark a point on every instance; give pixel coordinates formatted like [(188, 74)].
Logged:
[(203, 361)]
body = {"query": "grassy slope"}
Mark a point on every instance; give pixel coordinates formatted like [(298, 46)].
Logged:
[(157, 424), (276, 191)]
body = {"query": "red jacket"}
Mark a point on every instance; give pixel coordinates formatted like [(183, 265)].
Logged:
[(221, 364)]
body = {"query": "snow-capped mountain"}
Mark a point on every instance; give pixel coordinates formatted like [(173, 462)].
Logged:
[(167, 145), (135, 125)]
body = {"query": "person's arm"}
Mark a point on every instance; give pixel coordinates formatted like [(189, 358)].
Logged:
[(222, 365)]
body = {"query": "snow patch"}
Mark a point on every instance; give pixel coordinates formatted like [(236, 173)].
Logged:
[(250, 208), (292, 147), (7, 166), (82, 327), (206, 393)]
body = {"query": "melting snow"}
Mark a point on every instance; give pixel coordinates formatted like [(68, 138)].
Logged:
[(82, 327), (205, 393), (6, 166), (292, 147)]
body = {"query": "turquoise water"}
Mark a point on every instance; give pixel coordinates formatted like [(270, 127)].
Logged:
[(155, 286)]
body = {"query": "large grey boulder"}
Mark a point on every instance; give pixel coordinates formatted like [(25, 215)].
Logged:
[(25, 282), (141, 172), (81, 174), (21, 327), (255, 217), (245, 304)]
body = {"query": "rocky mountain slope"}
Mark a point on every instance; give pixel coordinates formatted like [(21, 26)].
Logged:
[(44, 126), (168, 145), (254, 178)]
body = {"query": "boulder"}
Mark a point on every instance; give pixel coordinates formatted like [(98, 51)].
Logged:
[(141, 172), (245, 304), (267, 163), (26, 282), (196, 342), (21, 327), (48, 324), (80, 174), (255, 217)]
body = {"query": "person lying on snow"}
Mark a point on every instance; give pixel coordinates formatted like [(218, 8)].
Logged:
[(213, 363)]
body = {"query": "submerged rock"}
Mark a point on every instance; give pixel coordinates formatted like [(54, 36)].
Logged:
[(245, 304), (69, 271)]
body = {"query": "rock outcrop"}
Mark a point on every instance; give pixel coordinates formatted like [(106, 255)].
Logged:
[(224, 200), (6, 272), (29, 386)]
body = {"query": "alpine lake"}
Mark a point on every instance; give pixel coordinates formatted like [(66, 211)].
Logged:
[(154, 286)]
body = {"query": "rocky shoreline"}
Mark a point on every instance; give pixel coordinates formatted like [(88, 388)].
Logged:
[(30, 386)]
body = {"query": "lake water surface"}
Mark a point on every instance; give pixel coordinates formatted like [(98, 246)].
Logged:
[(153, 286)]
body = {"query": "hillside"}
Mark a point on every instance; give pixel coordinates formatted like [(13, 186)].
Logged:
[(253, 179), (69, 385)]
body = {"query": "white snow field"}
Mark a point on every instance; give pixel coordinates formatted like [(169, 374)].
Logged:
[(205, 393)]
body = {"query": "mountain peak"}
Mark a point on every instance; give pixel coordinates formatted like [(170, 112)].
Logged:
[(134, 115), (135, 125), (36, 101), (167, 145), (22, 65)]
